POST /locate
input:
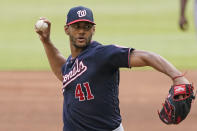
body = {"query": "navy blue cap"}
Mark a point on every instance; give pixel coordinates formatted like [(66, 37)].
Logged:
[(79, 13)]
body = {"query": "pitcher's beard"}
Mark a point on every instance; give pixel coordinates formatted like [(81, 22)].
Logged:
[(76, 45), (80, 46)]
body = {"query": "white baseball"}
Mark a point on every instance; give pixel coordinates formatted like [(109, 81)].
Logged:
[(41, 25)]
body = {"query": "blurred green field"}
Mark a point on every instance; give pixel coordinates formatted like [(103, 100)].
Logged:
[(143, 24)]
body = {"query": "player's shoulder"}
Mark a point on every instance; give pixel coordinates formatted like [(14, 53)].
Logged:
[(99, 46), (96, 46)]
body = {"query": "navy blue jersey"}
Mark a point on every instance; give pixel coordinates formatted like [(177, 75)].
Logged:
[(90, 88)]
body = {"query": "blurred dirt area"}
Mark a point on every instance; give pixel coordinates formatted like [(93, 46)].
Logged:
[(32, 101)]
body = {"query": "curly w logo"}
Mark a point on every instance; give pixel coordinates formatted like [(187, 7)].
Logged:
[(81, 13)]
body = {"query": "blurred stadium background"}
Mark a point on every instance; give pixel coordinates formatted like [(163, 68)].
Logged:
[(148, 25)]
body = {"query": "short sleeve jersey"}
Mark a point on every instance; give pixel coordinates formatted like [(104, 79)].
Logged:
[(90, 88)]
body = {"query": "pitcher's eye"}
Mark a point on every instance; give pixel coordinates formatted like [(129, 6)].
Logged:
[(76, 26), (87, 27)]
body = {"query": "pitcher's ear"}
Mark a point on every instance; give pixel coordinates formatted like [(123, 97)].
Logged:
[(94, 29), (66, 29)]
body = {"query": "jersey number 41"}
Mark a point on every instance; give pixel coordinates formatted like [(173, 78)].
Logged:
[(80, 94)]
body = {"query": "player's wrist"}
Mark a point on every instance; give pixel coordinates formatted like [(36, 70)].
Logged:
[(45, 40), (180, 80)]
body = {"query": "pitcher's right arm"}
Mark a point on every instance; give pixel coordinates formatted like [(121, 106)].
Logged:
[(55, 58)]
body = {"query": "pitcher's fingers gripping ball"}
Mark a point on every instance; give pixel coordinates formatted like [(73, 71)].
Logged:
[(177, 104), (41, 25)]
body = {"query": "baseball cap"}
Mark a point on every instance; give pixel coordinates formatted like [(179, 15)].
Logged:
[(79, 13)]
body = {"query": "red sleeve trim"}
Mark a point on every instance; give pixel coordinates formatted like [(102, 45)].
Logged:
[(129, 55)]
